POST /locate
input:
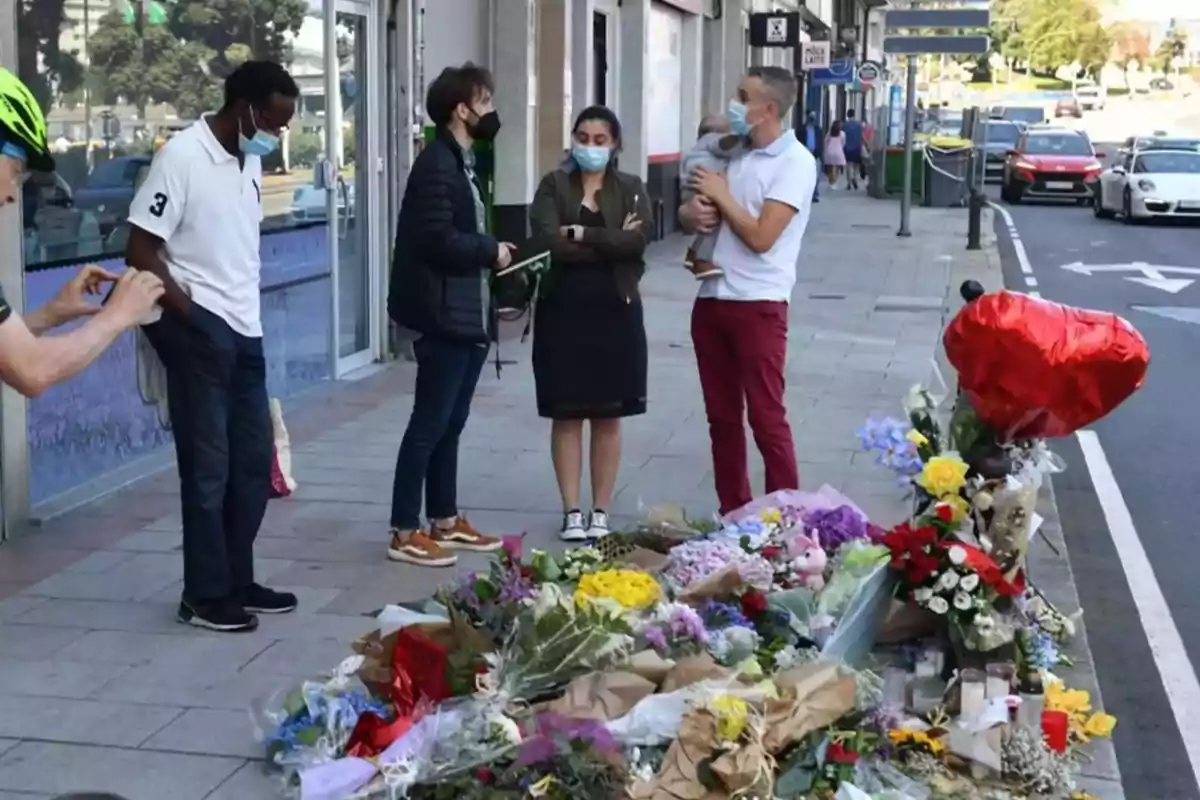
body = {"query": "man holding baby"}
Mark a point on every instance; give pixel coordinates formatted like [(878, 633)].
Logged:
[(757, 209)]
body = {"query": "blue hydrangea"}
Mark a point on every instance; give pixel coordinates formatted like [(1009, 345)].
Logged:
[(886, 438)]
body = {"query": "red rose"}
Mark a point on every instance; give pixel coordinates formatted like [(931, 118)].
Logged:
[(926, 535), (944, 512), (527, 572), (754, 603), (484, 775), (838, 754), (771, 551)]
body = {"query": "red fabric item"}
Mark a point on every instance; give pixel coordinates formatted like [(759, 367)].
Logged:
[(989, 572), (741, 350), (418, 682), (1054, 729), (1032, 368), (279, 486)]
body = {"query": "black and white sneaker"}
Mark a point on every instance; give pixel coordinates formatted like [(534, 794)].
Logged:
[(261, 600), (226, 616), (598, 524), (573, 529)]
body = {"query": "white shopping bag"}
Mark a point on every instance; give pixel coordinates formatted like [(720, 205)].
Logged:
[(282, 482)]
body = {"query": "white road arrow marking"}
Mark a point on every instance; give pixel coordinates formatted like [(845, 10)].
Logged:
[(1152, 275)]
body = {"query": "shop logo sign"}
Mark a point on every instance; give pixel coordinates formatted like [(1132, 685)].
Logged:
[(815, 55)]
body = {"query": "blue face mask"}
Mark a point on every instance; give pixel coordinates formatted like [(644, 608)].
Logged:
[(737, 118), (261, 144), (591, 158)]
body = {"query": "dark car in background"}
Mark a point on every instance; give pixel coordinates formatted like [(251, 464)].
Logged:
[(109, 190), (993, 139), (1029, 115), (1051, 164), (1068, 107)]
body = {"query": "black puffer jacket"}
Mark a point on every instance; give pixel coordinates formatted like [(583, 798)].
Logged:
[(441, 262)]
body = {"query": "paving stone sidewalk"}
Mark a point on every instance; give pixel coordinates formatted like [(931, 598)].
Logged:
[(101, 689)]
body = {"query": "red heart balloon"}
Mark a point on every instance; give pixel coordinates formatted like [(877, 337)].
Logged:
[(1036, 369)]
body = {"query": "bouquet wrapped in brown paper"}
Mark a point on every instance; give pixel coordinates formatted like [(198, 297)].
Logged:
[(693, 669), (703, 763), (723, 584), (811, 696), (601, 696)]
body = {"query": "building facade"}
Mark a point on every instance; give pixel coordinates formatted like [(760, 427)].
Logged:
[(120, 79)]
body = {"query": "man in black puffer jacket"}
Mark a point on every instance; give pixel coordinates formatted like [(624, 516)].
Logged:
[(439, 289)]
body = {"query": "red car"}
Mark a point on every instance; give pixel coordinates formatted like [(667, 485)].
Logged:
[(1068, 107), (1052, 165)]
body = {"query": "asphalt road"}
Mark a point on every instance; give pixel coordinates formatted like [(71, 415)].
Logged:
[(1152, 443)]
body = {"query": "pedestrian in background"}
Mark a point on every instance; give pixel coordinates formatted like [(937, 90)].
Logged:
[(440, 290), (195, 224), (589, 340), (740, 319), (852, 131), (813, 140), (834, 153)]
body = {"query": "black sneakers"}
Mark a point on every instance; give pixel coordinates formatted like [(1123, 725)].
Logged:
[(226, 616), (236, 615), (261, 600)]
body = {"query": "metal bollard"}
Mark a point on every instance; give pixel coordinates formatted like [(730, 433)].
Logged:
[(974, 219)]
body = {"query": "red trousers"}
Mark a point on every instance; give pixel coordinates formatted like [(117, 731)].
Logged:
[(741, 350)]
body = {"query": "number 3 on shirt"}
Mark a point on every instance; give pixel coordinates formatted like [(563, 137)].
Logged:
[(159, 205)]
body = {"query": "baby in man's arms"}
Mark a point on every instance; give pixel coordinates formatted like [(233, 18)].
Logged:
[(716, 146)]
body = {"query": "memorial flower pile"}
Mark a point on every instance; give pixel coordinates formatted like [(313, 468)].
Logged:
[(792, 650)]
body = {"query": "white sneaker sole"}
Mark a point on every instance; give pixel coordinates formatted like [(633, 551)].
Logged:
[(421, 560), (574, 535), (490, 547)]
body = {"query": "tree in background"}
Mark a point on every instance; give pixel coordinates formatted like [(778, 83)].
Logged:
[(45, 68), (1174, 45), (1130, 43), (187, 58), (1045, 35)]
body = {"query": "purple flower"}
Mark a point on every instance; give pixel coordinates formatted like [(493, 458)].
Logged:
[(552, 731), (836, 526), (685, 622), (717, 615), (657, 638)]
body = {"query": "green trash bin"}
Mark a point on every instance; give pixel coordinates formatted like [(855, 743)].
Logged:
[(893, 171)]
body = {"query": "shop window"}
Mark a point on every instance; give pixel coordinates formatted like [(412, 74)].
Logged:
[(116, 81)]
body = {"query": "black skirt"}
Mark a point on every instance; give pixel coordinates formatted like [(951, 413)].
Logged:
[(589, 347)]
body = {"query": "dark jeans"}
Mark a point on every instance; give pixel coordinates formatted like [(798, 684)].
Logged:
[(447, 372), (217, 384)]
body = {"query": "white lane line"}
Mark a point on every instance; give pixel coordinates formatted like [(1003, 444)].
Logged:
[(1030, 281), (1170, 656), (1018, 245)]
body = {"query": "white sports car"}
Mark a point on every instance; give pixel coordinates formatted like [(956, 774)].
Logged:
[(1150, 184)]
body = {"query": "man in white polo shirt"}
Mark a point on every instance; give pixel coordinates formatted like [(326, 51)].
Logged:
[(195, 224), (740, 319)]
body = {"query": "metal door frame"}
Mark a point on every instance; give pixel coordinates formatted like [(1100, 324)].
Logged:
[(369, 214)]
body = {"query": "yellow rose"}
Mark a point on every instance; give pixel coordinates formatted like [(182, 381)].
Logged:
[(771, 516), (732, 716), (916, 437), (943, 476), (630, 588), (1100, 724)]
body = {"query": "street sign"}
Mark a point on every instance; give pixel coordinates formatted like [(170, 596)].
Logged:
[(1151, 275), (938, 18), (775, 29), (839, 71), (869, 72), (936, 45), (815, 55)]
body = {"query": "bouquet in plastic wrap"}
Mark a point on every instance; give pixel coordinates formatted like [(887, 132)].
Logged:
[(553, 640)]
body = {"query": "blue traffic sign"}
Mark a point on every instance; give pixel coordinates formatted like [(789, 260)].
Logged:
[(840, 71)]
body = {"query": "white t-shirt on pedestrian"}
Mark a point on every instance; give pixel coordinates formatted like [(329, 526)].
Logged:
[(207, 209), (783, 171)]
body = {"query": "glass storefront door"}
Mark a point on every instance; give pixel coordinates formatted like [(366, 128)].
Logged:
[(354, 195)]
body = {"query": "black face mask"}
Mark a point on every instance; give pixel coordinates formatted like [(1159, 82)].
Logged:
[(485, 128)]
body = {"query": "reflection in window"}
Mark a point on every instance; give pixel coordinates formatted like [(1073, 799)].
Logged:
[(1168, 163), (117, 79)]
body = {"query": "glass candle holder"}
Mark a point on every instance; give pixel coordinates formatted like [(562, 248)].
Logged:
[(1000, 679), (973, 688)]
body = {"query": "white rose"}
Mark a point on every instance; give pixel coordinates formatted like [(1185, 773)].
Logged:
[(958, 555), (982, 500), (938, 605), (984, 622), (923, 595), (962, 601), (969, 582), (504, 730), (948, 580)]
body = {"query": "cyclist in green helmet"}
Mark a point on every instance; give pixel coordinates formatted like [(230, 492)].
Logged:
[(29, 361)]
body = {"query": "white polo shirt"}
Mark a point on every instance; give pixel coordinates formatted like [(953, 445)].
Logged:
[(207, 209), (783, 171)]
